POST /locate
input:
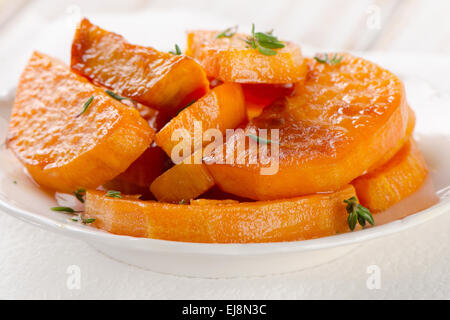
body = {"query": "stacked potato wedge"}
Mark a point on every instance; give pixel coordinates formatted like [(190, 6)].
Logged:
[(242, 139)]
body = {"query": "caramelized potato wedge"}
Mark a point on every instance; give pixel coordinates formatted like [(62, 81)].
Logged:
[(159, 80), (230, 60), (183, 182), (303, 218), (342, 121), (411, 124), (150, 165), (69, 133), (403, 175), (222, 108)]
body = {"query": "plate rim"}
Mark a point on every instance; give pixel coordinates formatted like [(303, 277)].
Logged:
[(87, 233)]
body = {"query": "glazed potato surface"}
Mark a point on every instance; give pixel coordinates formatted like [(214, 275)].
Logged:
[(64, 141), (157, 79), (343, 120), (230, 60)]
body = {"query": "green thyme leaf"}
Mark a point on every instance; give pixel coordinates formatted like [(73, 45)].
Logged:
[(177, 50), (182, 202), (115, 95), (326, 58), (250, 44), (64, 209), (88, 221), (357, 214), (352, 221), (266, 51), (261, 140), (264, 42), (84, 221), (268, 41), (86, 106), (114, 194), (228, 33), (366, 215), (79, 194), (321, 58)]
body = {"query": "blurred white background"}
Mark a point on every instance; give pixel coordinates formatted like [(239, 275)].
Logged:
[(392, 25), (401, 26)]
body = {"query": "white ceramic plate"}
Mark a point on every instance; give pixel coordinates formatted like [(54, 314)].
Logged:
[(427, 85)]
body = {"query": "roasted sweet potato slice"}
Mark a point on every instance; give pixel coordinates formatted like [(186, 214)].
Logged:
[(302, 218), (222, 108), (205, 202), (150, 165), (230, 60), (411, 124), (403, 175), (69, 133), (183, 182), (160, 80), (343, 120)]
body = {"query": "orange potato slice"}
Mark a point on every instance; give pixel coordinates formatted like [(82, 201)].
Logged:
[(400, 144), (62, 148), (150, 165), (222, 108), (229, 60), (341, 122), (301, 218), (205, 202), (403, 175), (160, 80), (182, 183)]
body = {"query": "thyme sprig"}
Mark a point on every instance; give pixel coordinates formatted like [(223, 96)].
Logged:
[(357, 214), (79, 194), (177, 50), (64, 209), (265, 42), (328, 59), (72, 211), (86, 106), (114, 95), (228, 33), (261, 140), (84, 221), (114, 194)]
